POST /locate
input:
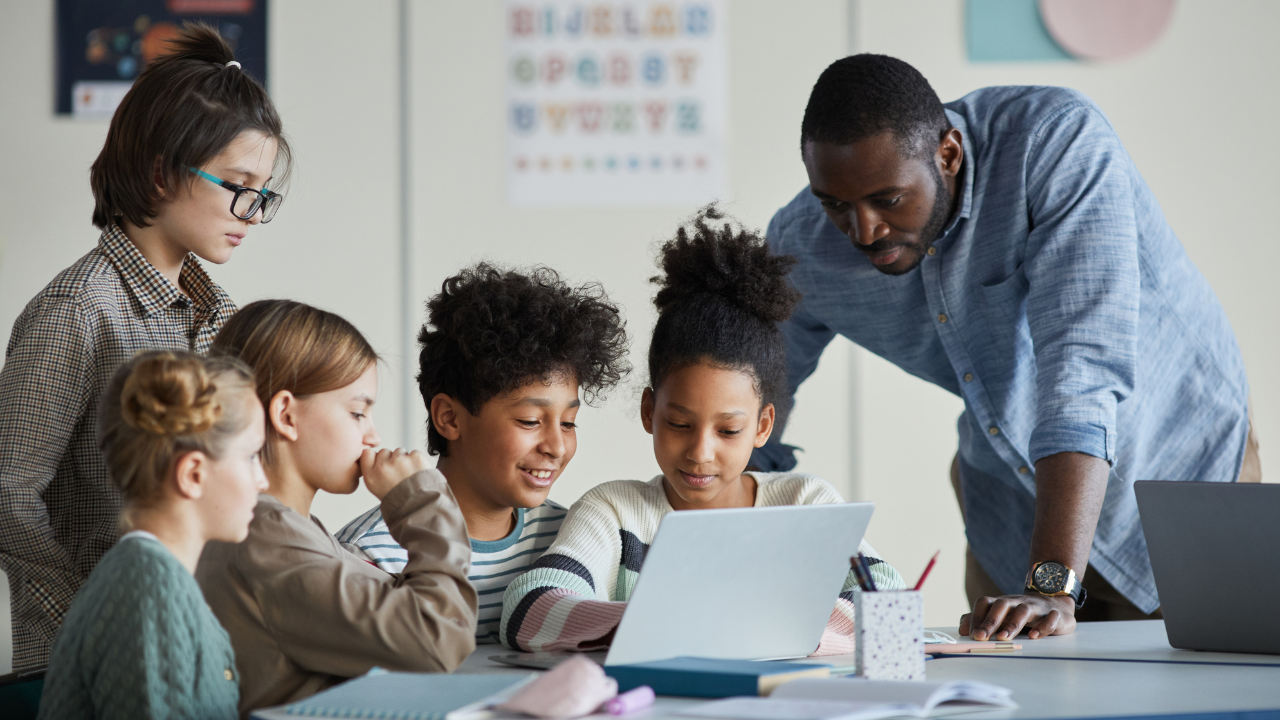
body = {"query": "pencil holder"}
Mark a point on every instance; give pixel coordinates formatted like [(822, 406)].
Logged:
[(889, 634)]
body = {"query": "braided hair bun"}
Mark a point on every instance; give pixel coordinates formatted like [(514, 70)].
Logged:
[(720, 299), (166, 395), (163, 404)]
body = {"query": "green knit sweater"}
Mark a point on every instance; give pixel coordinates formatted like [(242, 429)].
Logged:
[(140, 642)]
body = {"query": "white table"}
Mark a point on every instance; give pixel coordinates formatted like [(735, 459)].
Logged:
[(1133, 640), (1049, 685)]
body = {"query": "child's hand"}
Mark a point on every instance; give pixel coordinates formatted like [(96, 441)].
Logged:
[(384, 469)]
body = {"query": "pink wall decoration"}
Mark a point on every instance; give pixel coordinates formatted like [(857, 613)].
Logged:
[(1106, 29)]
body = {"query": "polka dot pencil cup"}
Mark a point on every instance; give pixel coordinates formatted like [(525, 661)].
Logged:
[(889, 634)]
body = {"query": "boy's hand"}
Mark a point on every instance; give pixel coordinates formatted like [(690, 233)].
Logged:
[(385, 469)]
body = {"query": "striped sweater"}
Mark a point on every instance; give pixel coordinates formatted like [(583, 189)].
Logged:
[(493, 563), (576, 592)]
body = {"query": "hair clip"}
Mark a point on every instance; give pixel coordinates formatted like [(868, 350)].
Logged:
[(233, 62)]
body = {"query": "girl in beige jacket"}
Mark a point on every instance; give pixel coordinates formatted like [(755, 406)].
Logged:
[(304, 613)]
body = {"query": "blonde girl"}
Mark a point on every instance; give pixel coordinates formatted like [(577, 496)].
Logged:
[(181, 435), (302, 611)]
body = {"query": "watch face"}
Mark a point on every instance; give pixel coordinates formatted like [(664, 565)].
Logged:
[(1050, 577)]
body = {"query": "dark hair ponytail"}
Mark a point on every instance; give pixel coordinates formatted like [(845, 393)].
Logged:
[(184, 109), (720, 300)]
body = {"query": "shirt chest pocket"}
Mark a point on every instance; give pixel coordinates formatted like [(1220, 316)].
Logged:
[(1004, 303)]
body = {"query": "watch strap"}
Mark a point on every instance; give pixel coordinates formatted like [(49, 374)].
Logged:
[(1077, 594)]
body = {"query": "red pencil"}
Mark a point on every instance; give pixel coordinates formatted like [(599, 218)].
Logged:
[(927, 568)]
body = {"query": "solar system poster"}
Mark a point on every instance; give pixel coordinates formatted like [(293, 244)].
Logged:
[(102, 46), (616, 104)]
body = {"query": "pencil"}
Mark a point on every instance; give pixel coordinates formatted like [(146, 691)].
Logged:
[(866, 570), (927, 568), (855, 564)]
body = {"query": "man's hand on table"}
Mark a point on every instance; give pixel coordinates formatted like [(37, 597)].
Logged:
[(1002, 618), (1070, 488)]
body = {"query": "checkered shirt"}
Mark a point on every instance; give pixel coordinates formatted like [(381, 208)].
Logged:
[(58, 508)]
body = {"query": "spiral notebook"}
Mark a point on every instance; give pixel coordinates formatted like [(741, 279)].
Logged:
[(409, 696)]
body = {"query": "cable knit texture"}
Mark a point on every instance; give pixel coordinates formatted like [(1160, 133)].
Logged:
[(140, 642), (578, 589)]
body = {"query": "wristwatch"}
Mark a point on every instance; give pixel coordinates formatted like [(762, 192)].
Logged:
[(1055, 579)]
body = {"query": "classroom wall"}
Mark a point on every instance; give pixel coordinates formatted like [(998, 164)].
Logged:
[(1191, 111)]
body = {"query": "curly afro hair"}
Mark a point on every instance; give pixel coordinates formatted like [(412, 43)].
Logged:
[(492, 330), (864, 95), (720, 299)]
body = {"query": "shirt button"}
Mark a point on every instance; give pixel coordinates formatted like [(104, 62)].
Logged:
[(227, 674), (993, 430), (933, 251), (968, 377), (942, 318), (1024, 469)]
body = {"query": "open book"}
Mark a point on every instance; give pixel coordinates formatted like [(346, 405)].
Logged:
[(854, 699)]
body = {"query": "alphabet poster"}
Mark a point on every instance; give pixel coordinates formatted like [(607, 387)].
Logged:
[(616, 104)]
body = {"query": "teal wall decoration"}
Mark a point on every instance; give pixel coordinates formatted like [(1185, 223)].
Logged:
[(1008, 31)]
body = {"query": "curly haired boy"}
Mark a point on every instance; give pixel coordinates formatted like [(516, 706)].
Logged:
[(504, 356)]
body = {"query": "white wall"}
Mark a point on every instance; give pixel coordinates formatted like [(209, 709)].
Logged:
[(1194, 113), (1191, 111)]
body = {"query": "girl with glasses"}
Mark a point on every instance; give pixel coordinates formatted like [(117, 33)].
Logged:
[(142, 287)]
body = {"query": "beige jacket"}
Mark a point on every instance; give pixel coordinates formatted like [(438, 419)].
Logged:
[(304, 613)]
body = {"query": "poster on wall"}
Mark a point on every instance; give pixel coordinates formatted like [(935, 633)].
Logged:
[(616, 104), (102, 46)]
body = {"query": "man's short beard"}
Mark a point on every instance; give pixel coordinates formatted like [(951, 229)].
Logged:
[(938, 217)]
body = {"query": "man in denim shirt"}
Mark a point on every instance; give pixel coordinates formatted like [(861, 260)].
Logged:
[(1005, 248)]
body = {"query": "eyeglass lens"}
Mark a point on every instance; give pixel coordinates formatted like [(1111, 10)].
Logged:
[(247, 202), (273, 204)]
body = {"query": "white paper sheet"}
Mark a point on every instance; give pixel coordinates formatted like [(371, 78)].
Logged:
[(755, 708)]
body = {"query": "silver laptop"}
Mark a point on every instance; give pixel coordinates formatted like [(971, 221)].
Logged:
[(1215, 552), (745, 584)]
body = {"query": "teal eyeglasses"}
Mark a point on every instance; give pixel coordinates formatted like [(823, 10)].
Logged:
[(247, 201)]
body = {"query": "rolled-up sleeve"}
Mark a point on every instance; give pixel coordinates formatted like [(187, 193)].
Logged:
[(1083, 283)]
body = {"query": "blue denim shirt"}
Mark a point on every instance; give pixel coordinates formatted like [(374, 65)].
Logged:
[(1060, 307)]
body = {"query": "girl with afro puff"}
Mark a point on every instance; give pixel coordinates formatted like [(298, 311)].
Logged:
[(717, 380)]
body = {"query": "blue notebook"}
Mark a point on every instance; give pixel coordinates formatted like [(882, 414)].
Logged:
[(711, 678), (406, 696)]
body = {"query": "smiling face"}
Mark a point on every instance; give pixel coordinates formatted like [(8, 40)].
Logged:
[(890, 204), (235, 479), (705, 421), (197, 217), (333, 429), (512, 451)]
